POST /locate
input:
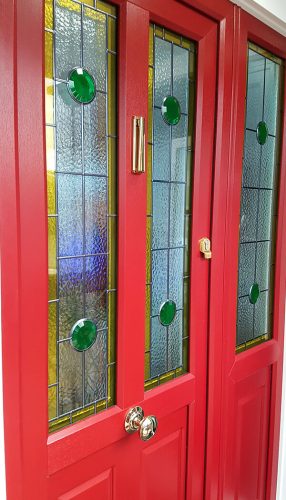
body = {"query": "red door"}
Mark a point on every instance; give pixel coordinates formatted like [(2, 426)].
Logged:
[(248, 400), (78, 316)]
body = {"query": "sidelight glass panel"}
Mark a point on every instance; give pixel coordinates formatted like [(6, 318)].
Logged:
[(259, 195), (171, 114), (80, 83)]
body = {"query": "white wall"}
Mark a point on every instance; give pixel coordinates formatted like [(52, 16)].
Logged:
[(276, 7)]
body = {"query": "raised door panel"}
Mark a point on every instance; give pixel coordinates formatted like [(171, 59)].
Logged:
[(248, 437), (98, 487), (163, 463)]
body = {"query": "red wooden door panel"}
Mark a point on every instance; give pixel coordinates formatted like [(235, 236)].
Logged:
[(95, 457), (250, 404)]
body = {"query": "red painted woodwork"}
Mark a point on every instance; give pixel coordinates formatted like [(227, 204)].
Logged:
[(250, 393), (218, 428), (96, 457)]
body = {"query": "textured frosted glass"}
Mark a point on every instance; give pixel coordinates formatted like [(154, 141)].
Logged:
[(68, 131), (176, 265), (261, 315), (264, 215), (255, 89), (70, 378), (181, 76), (96, 272), (263, 264), (161, 148), (82, 197), (251, 161), (71, 298), (175, 342), (70, 208), (95, 380), (257, 221), (95, 303), (179, 150), (67, 38), (160, 219), (159, 279), (246, 268), (271, 95), (95, 215), (158, 348), (177, 206), (94, 45), (163, 59), (168, 182), (267, 163), (245, 316), (248, 217), (94, 141)]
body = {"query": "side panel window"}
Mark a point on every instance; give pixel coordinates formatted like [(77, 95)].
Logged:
[(170, 149), (80, 82), (259, 197)]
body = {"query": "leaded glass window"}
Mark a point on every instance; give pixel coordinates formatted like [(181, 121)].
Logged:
[(170, 127), (80, 83), (259, 197)]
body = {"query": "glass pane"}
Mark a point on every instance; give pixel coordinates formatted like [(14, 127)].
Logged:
[(171, 81), (258, 198), (80, 83)]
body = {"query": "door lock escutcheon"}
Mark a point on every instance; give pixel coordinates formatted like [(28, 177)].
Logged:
[(135, 421), (205, 248)]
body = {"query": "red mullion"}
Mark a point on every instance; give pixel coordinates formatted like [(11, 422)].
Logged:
[(33, 253), (9, 257), (132, 193), (176, 17), (200, 267), (221, 169), (279, 321), (24, 259), (229, 277)]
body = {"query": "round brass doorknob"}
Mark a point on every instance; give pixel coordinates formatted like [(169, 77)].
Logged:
[(135, 421)]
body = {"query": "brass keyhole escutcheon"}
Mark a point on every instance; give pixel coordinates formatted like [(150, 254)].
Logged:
[(205, 248), (135, 421)]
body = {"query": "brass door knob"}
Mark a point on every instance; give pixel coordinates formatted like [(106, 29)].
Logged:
[(135, 421)]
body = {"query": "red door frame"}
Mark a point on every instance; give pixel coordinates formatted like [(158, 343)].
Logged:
[(24, 251), (271, 353), (235, 28), (17, 382)]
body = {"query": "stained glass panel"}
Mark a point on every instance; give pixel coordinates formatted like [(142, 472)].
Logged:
[(171, 113), (80, 83), (259, 196)]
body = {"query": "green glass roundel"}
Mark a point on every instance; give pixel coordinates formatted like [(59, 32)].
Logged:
[(81, 85), (167, 312), (171, 110), (83, 334), (254, 293), (262, 132)]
